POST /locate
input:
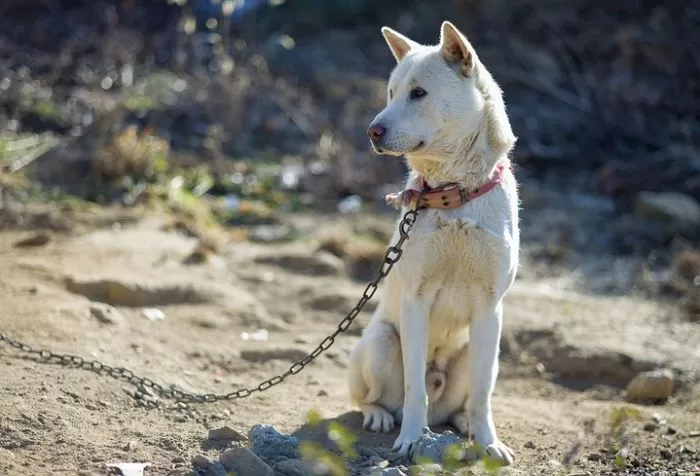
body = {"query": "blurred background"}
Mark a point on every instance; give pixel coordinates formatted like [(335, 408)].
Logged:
[(239, 114)]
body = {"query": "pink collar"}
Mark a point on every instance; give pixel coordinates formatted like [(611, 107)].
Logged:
[(445, 196)]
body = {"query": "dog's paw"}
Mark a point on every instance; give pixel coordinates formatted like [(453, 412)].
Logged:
[(407, 437), (377, 419), (488, 443), (500, 452)]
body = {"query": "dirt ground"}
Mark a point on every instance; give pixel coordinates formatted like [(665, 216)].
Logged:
[(566, 354)]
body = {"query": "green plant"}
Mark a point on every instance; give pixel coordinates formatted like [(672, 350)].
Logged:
[(620, 419)]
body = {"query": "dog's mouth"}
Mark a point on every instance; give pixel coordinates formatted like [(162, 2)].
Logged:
[(395, 153)]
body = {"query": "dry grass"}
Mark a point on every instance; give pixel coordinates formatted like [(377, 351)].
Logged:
[(140, 155), (685, 278)]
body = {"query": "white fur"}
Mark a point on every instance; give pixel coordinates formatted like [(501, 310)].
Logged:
[(441, 306)]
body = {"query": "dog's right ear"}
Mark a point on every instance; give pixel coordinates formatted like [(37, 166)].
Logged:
[(399, 44)]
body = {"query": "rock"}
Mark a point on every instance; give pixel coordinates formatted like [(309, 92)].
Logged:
[(670, 207), (243, 462), (204, 467), (316, 264), (226, 433), (38, 239), (200, 461), (530, 445), (432, 446), (293, 467), (272, 446), (654, 385), (105, 313)]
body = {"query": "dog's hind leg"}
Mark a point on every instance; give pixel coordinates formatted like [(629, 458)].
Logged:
[(450, 405), (375, 375)]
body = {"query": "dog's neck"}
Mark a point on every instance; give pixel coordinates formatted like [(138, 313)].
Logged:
[(470, 167)]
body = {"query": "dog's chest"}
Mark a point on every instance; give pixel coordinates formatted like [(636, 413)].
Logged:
[(454, 255)]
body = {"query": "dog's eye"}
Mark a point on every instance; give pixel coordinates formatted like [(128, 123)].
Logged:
[(417, 93)]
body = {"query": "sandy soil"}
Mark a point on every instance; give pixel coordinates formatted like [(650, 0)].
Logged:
[(566, 355)]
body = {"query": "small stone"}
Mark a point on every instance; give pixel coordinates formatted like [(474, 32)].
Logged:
[(243, 462), (654, 385), (153, 314), (650, 426), (38, 289), (105, 313), (272, 446), (130, 469), (658, 419), (200, 461), (671, 430), (392, 472), (594, 457), (666, 453), (322, 393), (226, 433), (529, 445)]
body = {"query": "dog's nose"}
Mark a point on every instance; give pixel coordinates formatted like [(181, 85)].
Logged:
[(376, 132)]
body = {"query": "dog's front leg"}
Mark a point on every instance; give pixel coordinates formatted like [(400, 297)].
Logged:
[(415, 313), (484, 338)]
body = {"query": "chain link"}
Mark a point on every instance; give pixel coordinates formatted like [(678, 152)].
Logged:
[(391, 257)]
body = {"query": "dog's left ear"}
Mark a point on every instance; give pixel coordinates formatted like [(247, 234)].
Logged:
[(455, 48)]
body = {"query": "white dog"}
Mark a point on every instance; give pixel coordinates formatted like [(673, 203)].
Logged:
[(440, 311)]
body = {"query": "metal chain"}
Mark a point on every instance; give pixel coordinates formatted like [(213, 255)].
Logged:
[(391, 257)]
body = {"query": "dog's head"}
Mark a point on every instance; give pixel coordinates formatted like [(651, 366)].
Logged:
[(439, 100)]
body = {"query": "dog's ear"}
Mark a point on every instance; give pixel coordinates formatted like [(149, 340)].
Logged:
[(455, 48), (399, 44)]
